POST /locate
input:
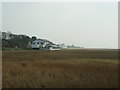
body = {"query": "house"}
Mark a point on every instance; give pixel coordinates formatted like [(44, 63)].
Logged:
[(63, 46), (43, 44)]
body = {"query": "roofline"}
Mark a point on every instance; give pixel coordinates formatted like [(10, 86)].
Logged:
[(46, 40)]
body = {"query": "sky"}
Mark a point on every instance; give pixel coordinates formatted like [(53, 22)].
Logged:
[(0, 17), (84, 24)]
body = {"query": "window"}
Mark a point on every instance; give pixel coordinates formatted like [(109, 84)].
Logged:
[(33, 42), (38, 43), (41, 42)]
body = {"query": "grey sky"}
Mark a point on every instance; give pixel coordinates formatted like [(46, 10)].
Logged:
[(0, 16), (87, 24)]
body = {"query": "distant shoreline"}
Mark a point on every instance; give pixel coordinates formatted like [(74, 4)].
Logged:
[(18, 49), (92, 48)]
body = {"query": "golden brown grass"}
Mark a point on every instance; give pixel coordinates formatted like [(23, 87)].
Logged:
[(60, 69), (0, 69)]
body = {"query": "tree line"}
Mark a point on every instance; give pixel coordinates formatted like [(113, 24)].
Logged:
[(10, 40)]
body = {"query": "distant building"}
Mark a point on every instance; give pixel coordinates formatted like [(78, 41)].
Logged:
[(43, 44), (63, 46), (72, 46)]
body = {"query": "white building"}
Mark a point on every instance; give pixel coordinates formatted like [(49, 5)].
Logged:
[(43, 44), (63, 46)]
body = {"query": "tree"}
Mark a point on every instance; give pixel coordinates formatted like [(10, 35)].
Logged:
[(33, 38), (13, 40)]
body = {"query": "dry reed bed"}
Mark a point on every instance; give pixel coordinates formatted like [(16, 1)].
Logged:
[(60, 69)]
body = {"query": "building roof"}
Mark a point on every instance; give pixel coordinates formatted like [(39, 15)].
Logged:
[(45, 41)]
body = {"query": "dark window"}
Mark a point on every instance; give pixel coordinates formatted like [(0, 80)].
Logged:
[(34, 43), (38, 43), (41, 43)]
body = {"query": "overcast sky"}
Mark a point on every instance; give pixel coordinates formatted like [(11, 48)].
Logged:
[(87, 24), (0, 17)]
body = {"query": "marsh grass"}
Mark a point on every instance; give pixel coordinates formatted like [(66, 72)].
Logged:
[(60, 69)]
